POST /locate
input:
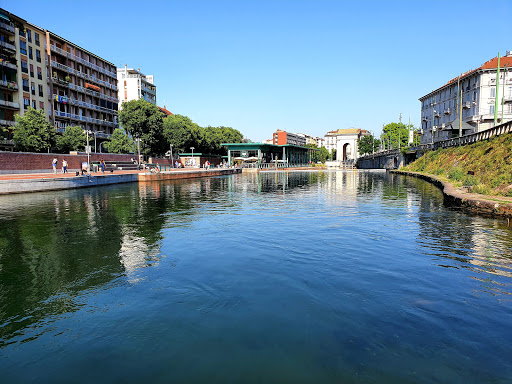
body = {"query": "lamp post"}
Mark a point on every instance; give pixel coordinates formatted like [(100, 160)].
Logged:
[(88, 150), (138, 151), (172, 159), (95, 132), (192, 148)]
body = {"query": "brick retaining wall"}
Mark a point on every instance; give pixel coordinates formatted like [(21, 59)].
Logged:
[(17, 162)]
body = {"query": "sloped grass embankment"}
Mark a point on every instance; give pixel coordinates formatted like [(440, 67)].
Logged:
[(485, 167)]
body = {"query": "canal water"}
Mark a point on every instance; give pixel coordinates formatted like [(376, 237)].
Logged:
[(300, 277)]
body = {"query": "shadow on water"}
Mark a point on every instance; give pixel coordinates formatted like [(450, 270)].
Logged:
[(336, 270)]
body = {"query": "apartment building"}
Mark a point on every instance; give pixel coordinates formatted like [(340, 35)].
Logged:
[(82, 86), (468, 102), (42, 70), (134, 85), (283, 138)]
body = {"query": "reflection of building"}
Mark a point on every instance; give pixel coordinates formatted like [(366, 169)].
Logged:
[(283, 138), (134, 85), (471, 95), (344, 141)]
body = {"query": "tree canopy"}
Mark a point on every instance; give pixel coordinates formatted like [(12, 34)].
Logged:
[(73, 139), (367, 145), (32, 133), (144, 121), (393, 133), (120, 142)]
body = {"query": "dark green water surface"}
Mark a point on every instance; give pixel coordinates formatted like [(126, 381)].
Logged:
[(300, 277)]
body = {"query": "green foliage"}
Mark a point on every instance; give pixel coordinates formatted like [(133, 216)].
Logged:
[(183, 133), (120, 142), (367, 145), (488, 161), (73, 139), (394, 133), (456, 173), (321, 154), (32, 133), (144, 121)]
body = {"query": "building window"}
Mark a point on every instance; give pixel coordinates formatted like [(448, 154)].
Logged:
[(31, 70), (30, 55), (474, 95), (38, 55), (36, 35), (25, 85), (26, 103), (39, 73), (40, 87), (34, 104), (29, 35), (23, 47), (24, 66), (22, 32), (491, 109), (33, 89), (41, 105), (493, 92)]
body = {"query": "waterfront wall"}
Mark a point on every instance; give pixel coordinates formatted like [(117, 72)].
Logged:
[(20, 162), (57, 183), (386, 160)]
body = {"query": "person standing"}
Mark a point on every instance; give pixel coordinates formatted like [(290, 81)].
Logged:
[(102, 165), (64, 166), (54, 165)]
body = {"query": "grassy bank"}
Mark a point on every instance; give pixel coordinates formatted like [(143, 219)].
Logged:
[(485, 167)]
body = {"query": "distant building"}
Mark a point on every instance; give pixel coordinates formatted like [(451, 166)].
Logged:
[(345, 142), (283, 138), (165, 111), (134, 85), (441, 108)]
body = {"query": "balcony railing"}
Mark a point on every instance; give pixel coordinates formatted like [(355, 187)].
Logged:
[(83, 75), (8, 45), (93, 93), (447, 111), (82, 61), (8, 64), (9, 85), (7, 123), (68, 100), (10, 104), (7, 27)]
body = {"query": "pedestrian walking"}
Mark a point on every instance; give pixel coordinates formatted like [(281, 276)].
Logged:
[(54, 165), (64, 166)]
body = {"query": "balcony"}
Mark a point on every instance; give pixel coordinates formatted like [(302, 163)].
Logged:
[(447, 111), (9, 85), (508, 98), (8, 64), (7, 123), (436, 114), (9, 28), (9, 104), (8, 45), (63, 82), (466, 105)]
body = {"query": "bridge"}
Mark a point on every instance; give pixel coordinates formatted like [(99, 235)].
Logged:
[(394, 158)]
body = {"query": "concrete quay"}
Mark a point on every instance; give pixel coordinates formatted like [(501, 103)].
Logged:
[(23, 183)]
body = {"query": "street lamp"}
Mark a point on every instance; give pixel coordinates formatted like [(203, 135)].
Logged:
[(95, 132), (192, 148), (172, 159)]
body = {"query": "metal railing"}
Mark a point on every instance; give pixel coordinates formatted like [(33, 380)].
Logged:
[(9, 104), (83, 61), (83, 75), (9, 84)]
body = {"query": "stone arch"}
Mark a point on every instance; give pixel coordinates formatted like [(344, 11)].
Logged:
[(346, 151)]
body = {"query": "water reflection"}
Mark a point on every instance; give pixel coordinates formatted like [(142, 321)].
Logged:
[(337, 243)]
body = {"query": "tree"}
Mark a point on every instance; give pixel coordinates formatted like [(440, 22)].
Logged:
[(120, 142), (394, 133), (215, 136), (321, 154), (183, 133), (73, 139), (367, 145), (144, 121), (32, 133)]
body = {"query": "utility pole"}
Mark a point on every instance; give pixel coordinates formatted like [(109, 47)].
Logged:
[(497, 92), (399, 126), (503, 98)]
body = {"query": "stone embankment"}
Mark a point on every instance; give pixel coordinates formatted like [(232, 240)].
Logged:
[(10, 184), (460, 197)]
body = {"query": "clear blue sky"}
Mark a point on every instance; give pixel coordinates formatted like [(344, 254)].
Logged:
[(301, 66)]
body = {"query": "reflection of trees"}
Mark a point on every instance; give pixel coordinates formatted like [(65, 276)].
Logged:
[(55, 246)]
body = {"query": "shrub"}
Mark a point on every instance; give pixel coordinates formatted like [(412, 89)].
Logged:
[(456, 173)]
